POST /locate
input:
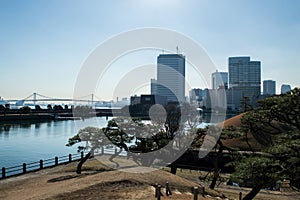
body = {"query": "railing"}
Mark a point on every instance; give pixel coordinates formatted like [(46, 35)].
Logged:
[(52, 162), (42, 164)]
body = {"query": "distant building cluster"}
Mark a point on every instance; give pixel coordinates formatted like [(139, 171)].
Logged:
[(229, 89), (241, 83)]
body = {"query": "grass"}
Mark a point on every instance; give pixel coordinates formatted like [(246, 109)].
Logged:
[(93, 165)]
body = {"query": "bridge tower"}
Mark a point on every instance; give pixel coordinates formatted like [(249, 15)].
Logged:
[(92, 98), (34, 98)]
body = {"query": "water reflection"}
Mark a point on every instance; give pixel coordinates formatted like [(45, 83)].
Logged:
[(37, 125), (32, 141), (25, 125), (49, 124), (4, 128)]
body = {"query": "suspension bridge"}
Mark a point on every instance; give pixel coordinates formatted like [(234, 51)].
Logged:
[(36, 98)]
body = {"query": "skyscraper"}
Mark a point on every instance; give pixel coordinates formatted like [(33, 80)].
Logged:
[(219, 79), (171, 76), (285, 88), (153, 86), (269, 87), (244, 79)]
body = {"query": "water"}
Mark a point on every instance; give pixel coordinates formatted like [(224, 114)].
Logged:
[(31, 142)]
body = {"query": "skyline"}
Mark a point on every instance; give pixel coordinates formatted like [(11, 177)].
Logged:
[(45, 43)]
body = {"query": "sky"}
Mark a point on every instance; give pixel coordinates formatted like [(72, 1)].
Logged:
[(43, 44)]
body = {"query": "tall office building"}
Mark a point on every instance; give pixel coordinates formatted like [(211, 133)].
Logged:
[(153, 86), (269, 87), (219, 79), (285, 88), (171, 76), (244, 79)]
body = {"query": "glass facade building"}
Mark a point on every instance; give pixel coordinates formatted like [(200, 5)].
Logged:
[(269, 87), (244, 79), (285, 88), (171, 77)]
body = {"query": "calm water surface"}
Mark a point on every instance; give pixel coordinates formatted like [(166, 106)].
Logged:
[(30, 142)]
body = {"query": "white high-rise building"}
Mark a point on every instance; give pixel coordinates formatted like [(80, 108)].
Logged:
[(219, 79), (269, 87), (171, 77)]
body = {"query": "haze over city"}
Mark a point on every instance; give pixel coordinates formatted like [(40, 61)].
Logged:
[(45, 43)]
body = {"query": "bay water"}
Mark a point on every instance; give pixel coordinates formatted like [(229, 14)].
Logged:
[(33, 141)]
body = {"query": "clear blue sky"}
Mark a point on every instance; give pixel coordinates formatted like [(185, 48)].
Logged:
[(44, 43)]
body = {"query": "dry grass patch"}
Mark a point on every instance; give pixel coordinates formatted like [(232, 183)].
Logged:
[(92, 165)]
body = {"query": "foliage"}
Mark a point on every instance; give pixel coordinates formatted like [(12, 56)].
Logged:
[(133, 135), (276, 115), (231, 132), (92, 136), (82, 111), (2, 108), (25, 109), (287, 108), (120, 135), (276, 125), (7, 106), (246, 104), (57, 107), (286, 149), (259, 170), (148, 137), (210, 134), (37, 107)]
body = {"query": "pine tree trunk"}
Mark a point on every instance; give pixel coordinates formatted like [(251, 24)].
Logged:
[(213, 182), (255, 190), (83, 160), (173, 169), (216, 167)]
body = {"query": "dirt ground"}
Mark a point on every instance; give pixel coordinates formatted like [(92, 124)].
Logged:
[(99, 181), (232, 192)]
